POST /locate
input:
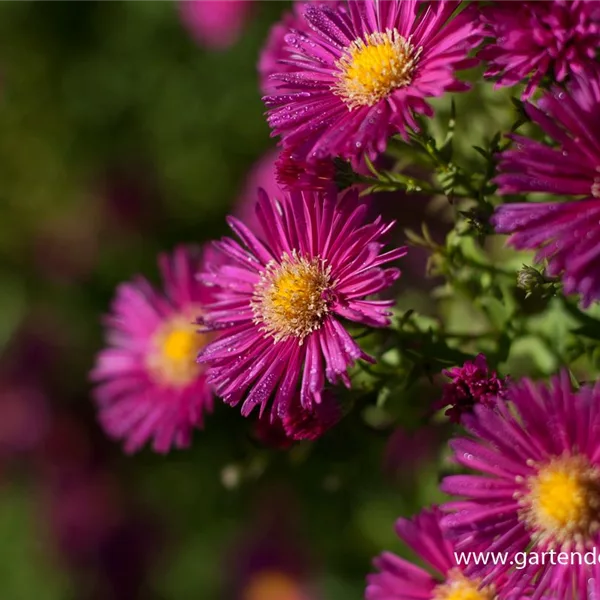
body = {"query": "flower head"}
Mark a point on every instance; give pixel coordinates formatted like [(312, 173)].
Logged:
[(282, 294), (539, 487), (567, 235), (216, 24), (150, 386), (533, 39), (471, 384), (354, 74), (399, 579)]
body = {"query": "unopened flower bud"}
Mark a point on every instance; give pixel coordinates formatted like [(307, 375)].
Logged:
[(530, 279)]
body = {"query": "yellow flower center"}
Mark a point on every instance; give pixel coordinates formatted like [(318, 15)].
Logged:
[(458, 587), (372, 68), (290, 298), (562, 502), (272, 585), (172, 359)]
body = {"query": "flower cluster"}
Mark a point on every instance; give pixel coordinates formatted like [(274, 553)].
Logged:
[(537, 489), (269, 312), (273, 320)]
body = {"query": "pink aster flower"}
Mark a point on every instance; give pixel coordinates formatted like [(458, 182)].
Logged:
[(532, 39), (150, 386), (273, 57), (399, 579), (567, 235), (537, 489), (471, 384), (215, 23), (282, 295), (361, 72)]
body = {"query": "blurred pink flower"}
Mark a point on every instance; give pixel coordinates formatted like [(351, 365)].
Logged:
[(149, 387), (26, 367), (94, 528), (407, 451), (270, 562), (260, 175), (216, 24), (23, 417)]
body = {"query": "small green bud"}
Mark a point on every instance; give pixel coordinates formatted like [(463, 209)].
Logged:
[(533, 281), (528, 278)]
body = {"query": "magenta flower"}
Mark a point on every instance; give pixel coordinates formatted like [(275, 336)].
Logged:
[(471, 384), (273, 57), (294, 174), (400, 579), (534, 39), (282, 295), (362, 70), (567, 235), (301, 424), (216, 24), (298, 424), (150, 386), (538, 487), (270, 433)]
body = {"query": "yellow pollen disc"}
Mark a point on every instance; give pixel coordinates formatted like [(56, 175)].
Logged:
[(562, 503), (372, 68), (289, 299), (272, 585), (458, 587), (172, 359)]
